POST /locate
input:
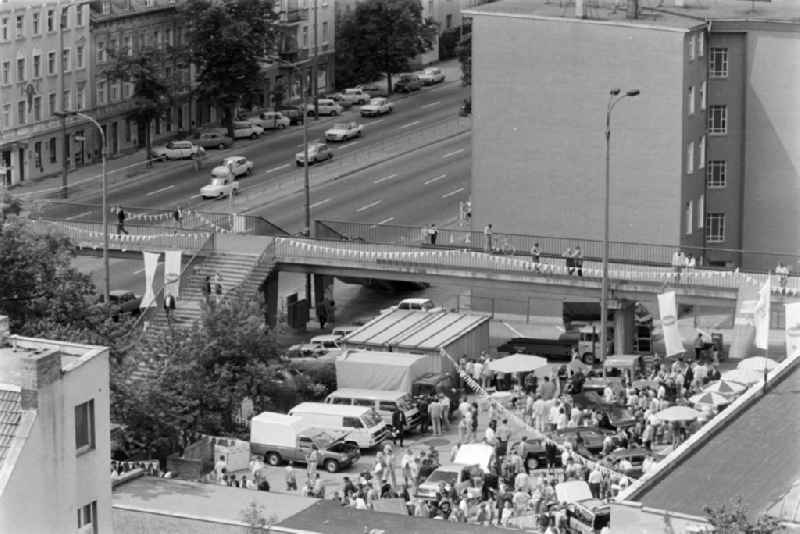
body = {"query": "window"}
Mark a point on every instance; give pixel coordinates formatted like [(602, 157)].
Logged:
[(157, 39), (701, 207), (387, 406), (20, 26), (363, 402), (716, 174), (65, 60), (6, 72), (4, 31), (37, 66), (691, 98), (719, 63), (448, 21), (715, 227), (79, 15), (718, 120), (7, 116), (84, 426), (701, 147), (21, 112), (101, 92), (51, 103), (51, 63), (352, 422), (80, 96), (36, 23), (128, 44), (305, 36), (340, 400), (687, 223), (113, 92), (112, 47), (106, 7), (51, 20), (87, 517), (690, 158), (21, 70), (101, 51), (703, 95), (692, 44), (325, 32), (52, 149), (171, 37), (66, 103), (79, 57), (37, 108), (64, 19), (701, 44)]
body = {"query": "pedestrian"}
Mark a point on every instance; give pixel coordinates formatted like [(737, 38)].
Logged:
[(433, 233), (207, 288), (473, 430), (699, 344), (398, 425), (220, 468), (291, 477), (444, 400), (322, 313), (463, 427), (178, 216), (121, 216), (782, 271), (677, 264), (577, 258), (218, 286), (422, 407), (536, 255), (435, 412), (487, 237), (568, 259), (311, 462), (169, 305)]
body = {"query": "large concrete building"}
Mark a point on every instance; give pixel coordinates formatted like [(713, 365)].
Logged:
[(35, 83), (54, 436), (705, 158)]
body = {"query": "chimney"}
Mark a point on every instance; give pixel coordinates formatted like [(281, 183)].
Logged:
[(580, 13), (5, 330), (633, 9)]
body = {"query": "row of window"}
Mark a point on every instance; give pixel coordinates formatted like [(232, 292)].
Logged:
[(32, 111), (690, 161), (693, 97), (39, 23), (23, 72), (713, 223), (324, 34), (697, 45)]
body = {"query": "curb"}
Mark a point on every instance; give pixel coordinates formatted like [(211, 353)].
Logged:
[(345, 174)]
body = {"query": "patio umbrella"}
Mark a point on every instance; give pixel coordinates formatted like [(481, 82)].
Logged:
[(678, 413), (757, 363), (743, 376), (710, 398), (517, 363), (725, 387)]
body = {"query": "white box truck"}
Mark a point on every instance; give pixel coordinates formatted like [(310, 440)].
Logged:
[(363, 425)]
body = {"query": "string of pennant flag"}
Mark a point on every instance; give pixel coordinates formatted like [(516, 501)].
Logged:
[(133, 237), (166, 216)]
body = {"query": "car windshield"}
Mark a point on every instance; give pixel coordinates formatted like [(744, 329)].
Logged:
[(404, 403), (448, 477), (217, 181), (340, 126), (376, 101)]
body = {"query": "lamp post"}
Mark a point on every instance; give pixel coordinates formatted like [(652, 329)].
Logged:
[(615, 95), (106, 268)]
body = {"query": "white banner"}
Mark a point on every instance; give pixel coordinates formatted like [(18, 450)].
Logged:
[(150, 265), (744, 324), (761, 315), (669, 323), (792, 329), (172, 273)]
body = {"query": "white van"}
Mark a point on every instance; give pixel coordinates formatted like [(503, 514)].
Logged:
[(364, 425), (383, 402)]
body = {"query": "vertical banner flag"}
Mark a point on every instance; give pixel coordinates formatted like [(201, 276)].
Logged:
[(150, 265), (792, 329), (669, 323), (744, 323), (172, 273), (761, 315)]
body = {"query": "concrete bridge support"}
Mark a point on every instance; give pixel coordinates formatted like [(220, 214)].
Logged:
[(271, 297), (624, 327)]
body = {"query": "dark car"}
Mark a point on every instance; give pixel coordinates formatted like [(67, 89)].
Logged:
[(123, 302), (407, 83), (635, 456), (212, 139), (293, 113), (435, 383), (534, 453), (374, 90)]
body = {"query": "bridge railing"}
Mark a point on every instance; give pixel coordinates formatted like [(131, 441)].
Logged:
[(470, 260)]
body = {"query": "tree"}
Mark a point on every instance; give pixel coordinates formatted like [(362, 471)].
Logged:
[(253, 517), (464, 52), (156, 75), (9, 205), (226, 42), (379, 37), (448, 43), (734, 519)]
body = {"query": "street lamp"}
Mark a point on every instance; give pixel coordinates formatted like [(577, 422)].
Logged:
[(106, 268), (615, 95)]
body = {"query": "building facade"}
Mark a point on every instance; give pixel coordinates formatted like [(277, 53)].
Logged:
[(705, 158), (45, 68), (55, 447)]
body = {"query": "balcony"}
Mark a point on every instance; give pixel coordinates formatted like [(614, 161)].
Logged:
[(293, 54), (292, 14)]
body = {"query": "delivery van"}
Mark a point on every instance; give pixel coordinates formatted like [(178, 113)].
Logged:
[(364, 426), (383, 402)]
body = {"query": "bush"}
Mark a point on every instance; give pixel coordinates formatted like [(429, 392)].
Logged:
[(448, 43), (320, 378)]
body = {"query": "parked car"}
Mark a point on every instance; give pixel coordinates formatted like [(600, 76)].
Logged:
[(316, 152), (342, 131), (245, 129), (123, 301), (220, 187), (431, 75), (326, 106), (340, 99), (212, 140), (407, 83), (177, 150), (376, 106), (356, 95), (418, 304), (534, 452), (293, 113), (374, 90), (233, 165), (271, 120)]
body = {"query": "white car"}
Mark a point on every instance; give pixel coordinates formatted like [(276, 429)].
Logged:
[(233, 165), (271, 120), (316, 152), (220, 187), (177, 150), (355, 96), (342, 131), (376, 106), (245, 129), (326, 106), (431, 75), (416, 304)]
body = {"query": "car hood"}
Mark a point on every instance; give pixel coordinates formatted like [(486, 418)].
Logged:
[(336, 131), (211, 187), (220, 171), (370, 106)]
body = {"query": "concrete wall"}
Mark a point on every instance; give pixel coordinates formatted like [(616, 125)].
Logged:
[(540, 90), (633, 518)]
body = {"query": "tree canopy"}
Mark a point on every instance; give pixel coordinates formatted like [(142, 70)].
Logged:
[(378, 37), (464, 53), (733, 518)]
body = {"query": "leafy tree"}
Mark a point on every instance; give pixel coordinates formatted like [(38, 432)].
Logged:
[(464, 52), (379, 37), (9, 205), (253, 517), (448, 43), (226, 43), (734, 519)]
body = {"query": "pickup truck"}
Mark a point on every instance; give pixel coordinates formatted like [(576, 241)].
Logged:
[(585, 340), (281, 438)]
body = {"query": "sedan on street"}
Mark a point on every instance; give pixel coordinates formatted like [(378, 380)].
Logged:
[(316, 152), (271, 120), (342, 131), (212, 140), (376, 106), (220, 187), (235, 165), (177, 150), (431, 75)]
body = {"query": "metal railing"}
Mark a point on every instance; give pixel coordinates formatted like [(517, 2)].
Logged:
[(471, 261)]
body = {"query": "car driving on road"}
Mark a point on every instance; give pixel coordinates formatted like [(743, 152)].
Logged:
[(431, 75), (342, 131), (326, 106), (316, 152), (376, 106), (235, 165), (212, 140), (407, 83), (355, 96), (220, 187), (271, 120), (177, 150), (245, 129)]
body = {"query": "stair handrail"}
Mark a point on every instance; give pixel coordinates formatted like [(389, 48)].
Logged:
[(268, 250)]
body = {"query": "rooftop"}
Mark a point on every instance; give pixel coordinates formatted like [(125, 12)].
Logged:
[(694, 12), (10, 415), (415, 329)]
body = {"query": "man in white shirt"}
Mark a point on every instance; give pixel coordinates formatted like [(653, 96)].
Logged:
[(477, 370), (595, 481), (490, 436), (539, 413)]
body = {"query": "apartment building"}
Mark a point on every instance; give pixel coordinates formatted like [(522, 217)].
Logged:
[(45, 68), (54, 437), (705, 157)]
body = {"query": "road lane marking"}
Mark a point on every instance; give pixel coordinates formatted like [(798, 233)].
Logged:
[(351, 143), (277, 168), (370, 123), (368, 206), (379, 180), (320, 203), (459, 151), (435, 179), (78, 216), (451, 193), (198, 195), (157, 191), (431, 104), (387, 220), (410, 124)]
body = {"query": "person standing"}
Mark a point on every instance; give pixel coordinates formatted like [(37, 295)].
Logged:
[(435, 413), (422, 407), (121, 216), (782, 271), (220, 468), (178, 216), (311, 462), (169, 305), (536, 255), (569, 261), (207, 289), (444, 400), (398, 425), (577, 258), (487, 237), (433, 233), (291, 477)]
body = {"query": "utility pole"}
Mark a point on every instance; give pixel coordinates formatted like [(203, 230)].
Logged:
[(314, 69), (306, 182), (60, 101)]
